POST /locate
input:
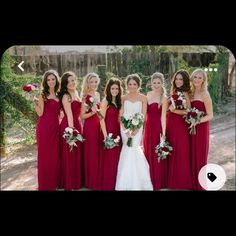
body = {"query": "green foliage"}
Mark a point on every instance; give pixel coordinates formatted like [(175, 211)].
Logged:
[(182, 64), (101, 71), (15, 111), (214, 86), (138, 65), (6, 64)]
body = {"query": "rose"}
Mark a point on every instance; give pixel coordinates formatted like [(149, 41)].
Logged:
[(69, 130), (194, 114), (135, 122), (175, 96), (75, 133), (27, 88), (165, 149), (178, 102), (117, 139)]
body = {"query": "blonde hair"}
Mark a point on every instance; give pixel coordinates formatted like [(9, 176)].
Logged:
[(204, 84), (160, 76), (85, 85)]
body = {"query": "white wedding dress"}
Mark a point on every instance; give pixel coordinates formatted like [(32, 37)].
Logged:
[(133, 169)]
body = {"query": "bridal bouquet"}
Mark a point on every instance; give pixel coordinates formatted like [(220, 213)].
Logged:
[(89, 103), (72, 135), (110, 142), (193, 117), (178, 101), (131, 123), (31, 91), (163, 150)]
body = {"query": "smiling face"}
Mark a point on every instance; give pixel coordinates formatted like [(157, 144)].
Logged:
[(93, 83), (114, 90), (132, 86), (156, 84), (179, 81), (51, 81), (198, 80), (72, 83)]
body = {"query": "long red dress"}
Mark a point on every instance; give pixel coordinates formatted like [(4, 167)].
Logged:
[(91, 133), (47, 134), (151, 139), (199, 144), (109, 158), (179, 172), (71, 161)]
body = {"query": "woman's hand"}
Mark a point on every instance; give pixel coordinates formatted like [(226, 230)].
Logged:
[(134, 132), (162, 138), (171, 108), (94, 109)]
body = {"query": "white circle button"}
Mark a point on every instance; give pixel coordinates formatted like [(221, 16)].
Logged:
[(212, 177)]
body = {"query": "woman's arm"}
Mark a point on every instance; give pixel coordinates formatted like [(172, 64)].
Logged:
[(163, 116), (209, 110), (39, 106), (144, 107), (122, 111), (103, 108), (68, 111)]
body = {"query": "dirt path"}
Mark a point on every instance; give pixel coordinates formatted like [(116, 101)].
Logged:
[(19, 168)]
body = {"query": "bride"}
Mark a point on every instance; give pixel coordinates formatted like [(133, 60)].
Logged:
[(133, 169)]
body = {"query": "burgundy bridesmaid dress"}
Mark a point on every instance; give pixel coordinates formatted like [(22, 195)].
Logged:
[(109, 158), (71, 161), (91, 133), (151, 139), (47, 134), (179, 172), (199, 144)]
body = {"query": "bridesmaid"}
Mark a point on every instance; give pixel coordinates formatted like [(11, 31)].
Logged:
[(179, 174), (155, 126), (71, 161), (200, 99), (47, 132), (109, 158), (91, 130)]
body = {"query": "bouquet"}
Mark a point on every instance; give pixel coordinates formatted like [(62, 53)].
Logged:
[(193, 117), (31, 91), (110, 143), (131, 123), (72, 135), (163, 150), (89, 103), (178, 101)]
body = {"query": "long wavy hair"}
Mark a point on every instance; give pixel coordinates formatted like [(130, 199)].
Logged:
[(186, 82), (64, 83), (108, 95), (204, 84), (45, 88), (85, 85)]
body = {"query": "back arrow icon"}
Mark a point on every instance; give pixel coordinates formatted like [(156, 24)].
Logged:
[(21, 65)]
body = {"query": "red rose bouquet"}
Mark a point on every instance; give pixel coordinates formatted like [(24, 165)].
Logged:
[(193, 117), (89, 103), (163, 150), (31, 91), (72, 135), (178, 101)]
